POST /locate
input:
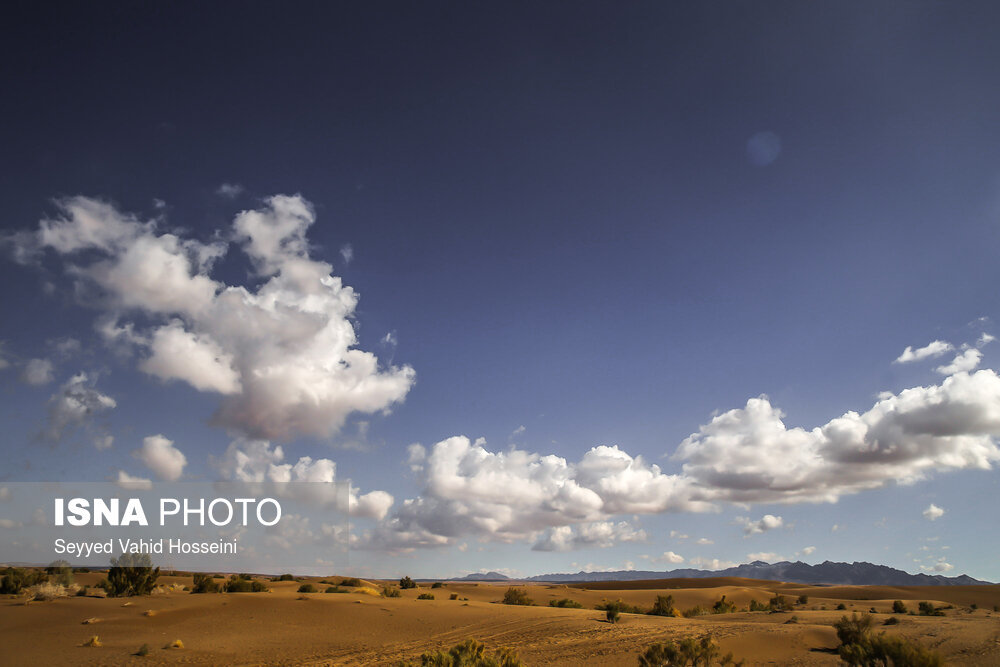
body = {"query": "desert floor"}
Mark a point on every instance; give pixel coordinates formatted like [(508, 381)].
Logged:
[(283, 627)]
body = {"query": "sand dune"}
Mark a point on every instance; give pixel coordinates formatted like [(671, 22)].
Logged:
[(285, 628)]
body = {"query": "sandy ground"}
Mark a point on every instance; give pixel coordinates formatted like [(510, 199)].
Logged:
[(282, 628)]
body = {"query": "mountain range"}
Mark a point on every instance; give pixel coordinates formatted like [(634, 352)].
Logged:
[(827, 572)]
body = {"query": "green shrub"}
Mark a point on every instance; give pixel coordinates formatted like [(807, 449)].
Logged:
[(565, 603), (517, 596), (390, 592), (860, 648), (437, 584), (623, 607), (687, 651), (802, 599), (469, 653), (612, 611), (758, 606), (928, 609), (307, 588), (406, 582), (352, 582), (696, 610), (898, 607), (204, 584), (143, 650), (664, 606), (841, 607), (243, 584), (892, 620), (425, 596), (723, 606), (17, 579), (284, 577), (779, 603), (335, 589), (131, 574)]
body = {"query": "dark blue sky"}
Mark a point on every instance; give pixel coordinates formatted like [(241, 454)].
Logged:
[(552, 206)]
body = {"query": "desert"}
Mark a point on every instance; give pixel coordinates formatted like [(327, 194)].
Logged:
[(356, 625)]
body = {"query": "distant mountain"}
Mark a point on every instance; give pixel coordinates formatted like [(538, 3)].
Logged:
[(480, 576), (828, 572)]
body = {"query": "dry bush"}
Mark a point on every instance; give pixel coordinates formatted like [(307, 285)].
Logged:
[(93, 641), (47, 591), (687, 651), (517, 596), (177, 643), (469, 653)]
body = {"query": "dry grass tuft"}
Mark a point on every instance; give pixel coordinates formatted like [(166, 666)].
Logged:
[(177, 643), (47, 591), (149, 612), (93, 641)]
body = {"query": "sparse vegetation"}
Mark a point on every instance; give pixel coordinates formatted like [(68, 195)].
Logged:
[(131, 574), (802, 599), (859, 647), (841, 607), (687, 651), (15, 579), (453, 596), (565, 603), (390, 592), (204, 583), (307, 588), (892, 620), (612, 612), (406, 583), (622, 607), (143, 650), (469, 653), (177, 643), (758, 606), (284, 577), (723, 606), (61, 572), (517, 596), (928, 609), (696, 610), (437, 584), (94, 641), (352, 582), (898, 607), (425, 596), (664, 606), (242, 583), (778, 603), (335, 589)]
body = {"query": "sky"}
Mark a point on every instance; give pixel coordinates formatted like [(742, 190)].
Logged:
[(557, 287)]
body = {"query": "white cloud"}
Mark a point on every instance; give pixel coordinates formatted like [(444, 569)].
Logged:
[(517, 432), (37, 372), (762, 525), (941, 565), (160, 456), (127, 481), (962, 363), (347, 252), (598, 534), (102, 442), (678, 535), (710, 563), (704, 541), (767, 556), (229, 190), (933, 349), (985, 339), (10, 523), (281, 353), (76, 402), (808, 551), (836, 528), (670, 557), (933, 512)]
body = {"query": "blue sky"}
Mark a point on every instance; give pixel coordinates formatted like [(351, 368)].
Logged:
[(569, 226)]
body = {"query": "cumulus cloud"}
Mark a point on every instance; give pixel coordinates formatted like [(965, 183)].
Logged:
[(704, 541), (260, 461), (598, 534), (229, 190), (939, 566), (76, 402), (762, 525), (677, 535), (710, 563), (985, 339), (962, 363), (670, 557), (933, 512), (162, 457), (933, 349), (808, 551), (281, 353), (749, 455), (37, 372), (128, 482)]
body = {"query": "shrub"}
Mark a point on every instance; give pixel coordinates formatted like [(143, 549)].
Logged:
[(335, 589), (928, 609), (794, 619), (453, 596), (612, 612), (469, 653), (779, 603), (723, 606), (204, 584), (46, 591), (237, 584), (898, 607), (143, 650), (860, 648), (687, 651), (15, 579), (664, 606), (758, 606), (892, 620), (307, 588), (623, 607), (390, 592), (696, 610), (93, 641), (352, 582), (841, 607), (177, 643), (565, 603), (406, 583), (131, 574), (284, 577), (802, 599), (425, 596), (516, 596), (437, 584), (61, 571)]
